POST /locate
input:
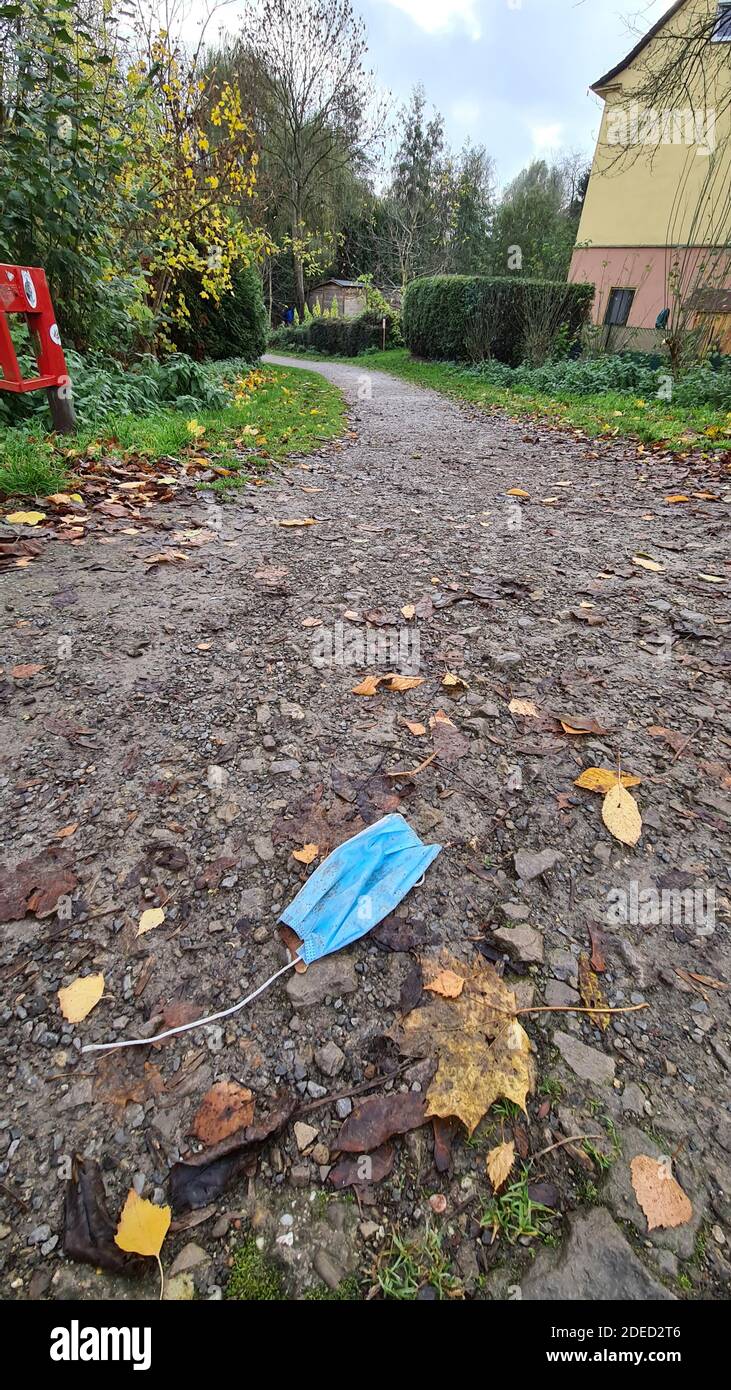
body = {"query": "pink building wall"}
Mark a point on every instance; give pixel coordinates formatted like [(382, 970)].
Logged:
[(648, 271)]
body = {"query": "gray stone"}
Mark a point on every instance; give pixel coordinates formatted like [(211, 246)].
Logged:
[(190, 1257), (522, 943), (343, 1108), (564, 966), (620, 1196), (515, 912), (633, 1099), (556, 992), (596, 1264), (329, 1269), (532, 863), (334, 975), (330, 1058), (586, 1062)]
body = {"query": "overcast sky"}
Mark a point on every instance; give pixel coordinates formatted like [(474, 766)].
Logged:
[(510, 74)]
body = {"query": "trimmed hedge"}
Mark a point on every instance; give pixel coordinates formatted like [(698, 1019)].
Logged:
[(237, 327), (472, 317), (337, 337)]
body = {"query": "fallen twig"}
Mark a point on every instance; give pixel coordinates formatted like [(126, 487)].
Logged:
[(573, 1139), (577, 1009)]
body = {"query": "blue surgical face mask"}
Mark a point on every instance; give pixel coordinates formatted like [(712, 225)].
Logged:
[(363, 880)]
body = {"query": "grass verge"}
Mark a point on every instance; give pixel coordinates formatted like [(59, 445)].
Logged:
[(606, 415), (274, 412)]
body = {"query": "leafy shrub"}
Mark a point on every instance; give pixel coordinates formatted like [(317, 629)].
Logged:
[(237, 327), (458, 317), (103, 387), (338, 337), (636, 373)]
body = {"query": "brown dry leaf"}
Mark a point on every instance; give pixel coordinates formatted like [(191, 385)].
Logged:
[(369, 685), (659, 1194), (299, 521), (307, 854), (677, 741), (142, 1226), (67, 830), (408, 610), (152, 917), (312, 622), (166, 557), (405, 682), (580, 727), (621, 815), (413, 771), (602, 779), (524, 707), (446, 983), (453, 682), (415, 728), (499, 1163), (224, 1109), (591, 992), (677, 497), (483, 1052), (80, 997), (24, 672), (647, 563)]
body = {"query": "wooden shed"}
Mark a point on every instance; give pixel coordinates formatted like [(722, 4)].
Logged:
[(711, 310), (349, 294)]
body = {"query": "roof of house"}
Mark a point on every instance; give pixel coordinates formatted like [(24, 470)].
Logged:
[(344, 284), (614, 72)]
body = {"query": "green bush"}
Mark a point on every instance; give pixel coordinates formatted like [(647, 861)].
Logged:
[(473, 317), (592, 376), (237, 327), (338, 337)]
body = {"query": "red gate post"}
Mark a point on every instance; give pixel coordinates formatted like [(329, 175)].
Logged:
[(24, 290)]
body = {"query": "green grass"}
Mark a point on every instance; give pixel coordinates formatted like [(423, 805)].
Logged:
[(513, 1214), (280, 412), (604, 415), (407, 1265)]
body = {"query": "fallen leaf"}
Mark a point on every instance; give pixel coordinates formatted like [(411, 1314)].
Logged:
[(524, 707), (199, 1177), (659, 1194), (676, 741), (516, 492), (580, 727), (166, 557), (312, 622), (591, 992), (23, 673), (307, 854), (88, 1228), (142, 1226), (499, 1164), (677, 497), (621, 815), (647, 563), (299, 521), (80, 997), (67, 830), (225, 1108), (25, 518), (415, 728), (151, 917), (408, 610), (446, 983), (356, 1170), (453, 682), (378, 1119), (404, 682), (413, 771), (482, 1051), (712, 578), (598, 962), (602, 779), (369, 685)]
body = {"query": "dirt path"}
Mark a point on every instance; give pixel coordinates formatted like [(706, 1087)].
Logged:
[(183, 722)]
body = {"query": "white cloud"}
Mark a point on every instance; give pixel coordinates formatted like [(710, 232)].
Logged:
[(546, 137), (442, 16), (466, 113)]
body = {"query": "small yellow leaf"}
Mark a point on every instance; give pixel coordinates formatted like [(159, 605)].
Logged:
[(454, 682), (677, 497), (299, 521), (517, 492), (524, 707), (447, 983), (648, 564), (404, 682), (712, 578), (80, 997), (25, 518), (414, 727), (499, 1163), (142, 1226), (602, 779), (621, 815), (67, 830), (152, 917), (306, 854), (408, 610), (369, 685)]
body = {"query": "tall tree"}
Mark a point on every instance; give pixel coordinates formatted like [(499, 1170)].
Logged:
[(314, 93)]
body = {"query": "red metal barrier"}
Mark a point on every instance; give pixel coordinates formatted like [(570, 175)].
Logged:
[(24, 290)]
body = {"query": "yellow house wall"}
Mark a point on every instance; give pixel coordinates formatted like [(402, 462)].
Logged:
[(649, 195)]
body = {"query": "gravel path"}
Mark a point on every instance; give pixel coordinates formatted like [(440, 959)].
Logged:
[(183, 720)]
